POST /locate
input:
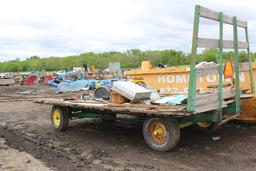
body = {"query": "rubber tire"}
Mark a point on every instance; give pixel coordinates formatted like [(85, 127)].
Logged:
[(102, 92), (64, 118), (210, 129), (173, 133)]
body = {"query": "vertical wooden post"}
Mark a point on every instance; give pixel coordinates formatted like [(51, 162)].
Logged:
[(220, 63), (192, 73), (250, 61), (236, 61)]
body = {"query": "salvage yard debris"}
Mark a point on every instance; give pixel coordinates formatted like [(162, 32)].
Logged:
[(131, 90), (100, 98), (174, 100), (117, 98), (6, 82), (164, 117)]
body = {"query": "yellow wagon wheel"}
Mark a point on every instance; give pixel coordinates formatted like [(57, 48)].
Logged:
[(161, 134), (158, 132), (59, 118), (56, 118), (206, 127), (204, 124)]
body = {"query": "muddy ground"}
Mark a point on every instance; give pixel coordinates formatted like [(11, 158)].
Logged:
[(91, 144)]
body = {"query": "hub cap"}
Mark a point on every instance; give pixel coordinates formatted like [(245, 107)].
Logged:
[(56, 118), (203, 124), (158, 132)]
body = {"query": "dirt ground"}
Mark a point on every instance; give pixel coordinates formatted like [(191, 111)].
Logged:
[(26, 136), (12, 159)]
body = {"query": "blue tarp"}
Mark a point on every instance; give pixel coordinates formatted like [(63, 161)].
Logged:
[(172, 100), (177, 100), (52, 83), (71, 86)]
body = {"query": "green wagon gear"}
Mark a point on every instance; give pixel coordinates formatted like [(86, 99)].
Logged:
[(162, 123)]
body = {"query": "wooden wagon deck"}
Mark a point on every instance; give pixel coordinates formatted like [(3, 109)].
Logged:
[(131, 109)]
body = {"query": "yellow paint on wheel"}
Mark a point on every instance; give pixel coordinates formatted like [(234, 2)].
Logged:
[(203, 124), (56, 118), (158, 132)]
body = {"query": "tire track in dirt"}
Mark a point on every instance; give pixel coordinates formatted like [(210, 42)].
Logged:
[(57, 155), (51, 156)]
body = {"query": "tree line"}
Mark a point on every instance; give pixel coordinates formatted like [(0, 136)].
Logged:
[(128, 59)]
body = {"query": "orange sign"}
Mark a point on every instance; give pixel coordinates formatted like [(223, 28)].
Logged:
[(228, 69)]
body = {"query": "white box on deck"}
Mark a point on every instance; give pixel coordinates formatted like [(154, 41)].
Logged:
[(131, 90)]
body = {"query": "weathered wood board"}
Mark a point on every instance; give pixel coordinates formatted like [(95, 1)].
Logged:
[(213, 15), (132, 109), (7, 81), (208, 102), (214, 43)]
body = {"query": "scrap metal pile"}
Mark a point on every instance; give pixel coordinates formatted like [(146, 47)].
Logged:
[(125, 93)]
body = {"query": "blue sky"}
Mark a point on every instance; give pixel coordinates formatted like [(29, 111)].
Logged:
[(69, 27)]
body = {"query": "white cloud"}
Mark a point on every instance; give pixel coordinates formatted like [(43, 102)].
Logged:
[(65, 27)]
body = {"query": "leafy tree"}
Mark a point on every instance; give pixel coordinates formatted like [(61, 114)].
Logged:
[(128, 59)]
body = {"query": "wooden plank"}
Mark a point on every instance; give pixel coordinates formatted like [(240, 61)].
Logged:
[(8, 81), (213, 97), (246, 96), (146, 106), (213, 15), (209, 102), (105, 108), (208, 107), (204, 103), (214, 43), (230, 101), (209, 70)]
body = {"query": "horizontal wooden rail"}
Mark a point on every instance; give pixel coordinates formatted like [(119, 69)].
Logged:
[(213, 70), (213, 15), (214, 43)]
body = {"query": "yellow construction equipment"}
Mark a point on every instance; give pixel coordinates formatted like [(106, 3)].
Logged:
[(174, 80)]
